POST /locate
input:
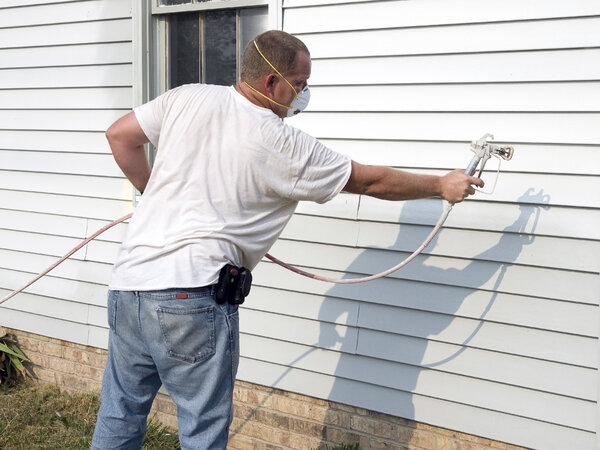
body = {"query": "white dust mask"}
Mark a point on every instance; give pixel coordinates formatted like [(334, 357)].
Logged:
[(299, 103)]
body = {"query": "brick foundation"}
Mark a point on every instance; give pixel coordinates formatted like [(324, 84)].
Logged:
[(265, 418)]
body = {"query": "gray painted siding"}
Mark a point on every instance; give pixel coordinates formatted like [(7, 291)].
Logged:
[(494, 329), (65, 75)]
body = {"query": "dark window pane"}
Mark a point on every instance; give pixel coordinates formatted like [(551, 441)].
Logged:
[(219, 47), (174, 2), (184, 49)]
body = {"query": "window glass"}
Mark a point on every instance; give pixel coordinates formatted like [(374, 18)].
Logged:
[(173, 2), (206, 46), (220, 51), (184, 49)]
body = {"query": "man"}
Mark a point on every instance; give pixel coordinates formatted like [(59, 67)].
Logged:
[(226, 180)]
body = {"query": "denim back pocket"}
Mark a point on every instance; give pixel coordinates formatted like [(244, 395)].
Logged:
[(188, 333)]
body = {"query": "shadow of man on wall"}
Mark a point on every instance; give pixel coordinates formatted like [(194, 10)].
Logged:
[(382, 334)]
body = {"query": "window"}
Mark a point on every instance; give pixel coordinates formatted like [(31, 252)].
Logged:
[(203, 41), (190, 41)]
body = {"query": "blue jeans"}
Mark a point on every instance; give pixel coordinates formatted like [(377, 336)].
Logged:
[(178, 337)]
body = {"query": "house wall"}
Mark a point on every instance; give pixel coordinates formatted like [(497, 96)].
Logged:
[(65, 76), (491, 332)]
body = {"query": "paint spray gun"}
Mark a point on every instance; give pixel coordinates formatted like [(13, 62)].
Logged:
[(483, 151)]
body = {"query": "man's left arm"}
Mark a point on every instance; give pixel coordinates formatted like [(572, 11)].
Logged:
[(391, 184)]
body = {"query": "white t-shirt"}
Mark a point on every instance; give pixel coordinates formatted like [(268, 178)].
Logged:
[(227, 178)]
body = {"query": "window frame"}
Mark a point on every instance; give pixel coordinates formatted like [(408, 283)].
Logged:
[(150, 65), (158, 63)]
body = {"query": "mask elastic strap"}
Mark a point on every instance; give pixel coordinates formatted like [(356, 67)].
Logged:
[(276, 71), (268, 98)]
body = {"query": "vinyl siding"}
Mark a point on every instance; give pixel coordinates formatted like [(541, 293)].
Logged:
[(65, 75), (493, 330)]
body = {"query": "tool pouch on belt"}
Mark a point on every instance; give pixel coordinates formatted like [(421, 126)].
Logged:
[(234, 285)]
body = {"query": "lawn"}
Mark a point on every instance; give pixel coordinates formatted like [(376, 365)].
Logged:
[(36, 416)]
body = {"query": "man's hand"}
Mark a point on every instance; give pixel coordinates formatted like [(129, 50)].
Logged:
[(456, 185)]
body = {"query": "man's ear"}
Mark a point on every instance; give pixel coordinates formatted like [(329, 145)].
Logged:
[(270, 82)]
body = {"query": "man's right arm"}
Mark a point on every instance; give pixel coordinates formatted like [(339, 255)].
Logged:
[(392, 184), (126, 139)]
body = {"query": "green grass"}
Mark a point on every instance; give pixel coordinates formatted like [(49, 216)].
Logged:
[(36, 416), (41, 417)]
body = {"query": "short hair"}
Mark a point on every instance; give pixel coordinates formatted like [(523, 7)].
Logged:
[(279, 47)]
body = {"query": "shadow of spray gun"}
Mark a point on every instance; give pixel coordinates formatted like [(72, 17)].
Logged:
[(530, 204)]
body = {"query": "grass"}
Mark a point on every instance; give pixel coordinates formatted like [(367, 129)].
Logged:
[(41, 417), (34, 416)]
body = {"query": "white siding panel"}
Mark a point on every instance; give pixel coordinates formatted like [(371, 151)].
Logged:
[(541, 218), (49, 307), (341, 311), (65, 205), (39, 243), (41, 223), (67, 34), (568, 65), (98, 336), (63, 13), (86, 98), (71, 269), (343, 206), (16, 3), (54, 141), (559, 34), (82, 120), (45, 326), (81, 164), (97, 316), (115, 234), (546, 158), (102, 251), (305, 331), (460, 97), (50, 286), (66, 55), (322, 229), (575, 128), (62, 77), (68, 330), (333, 16), (99, 187)]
